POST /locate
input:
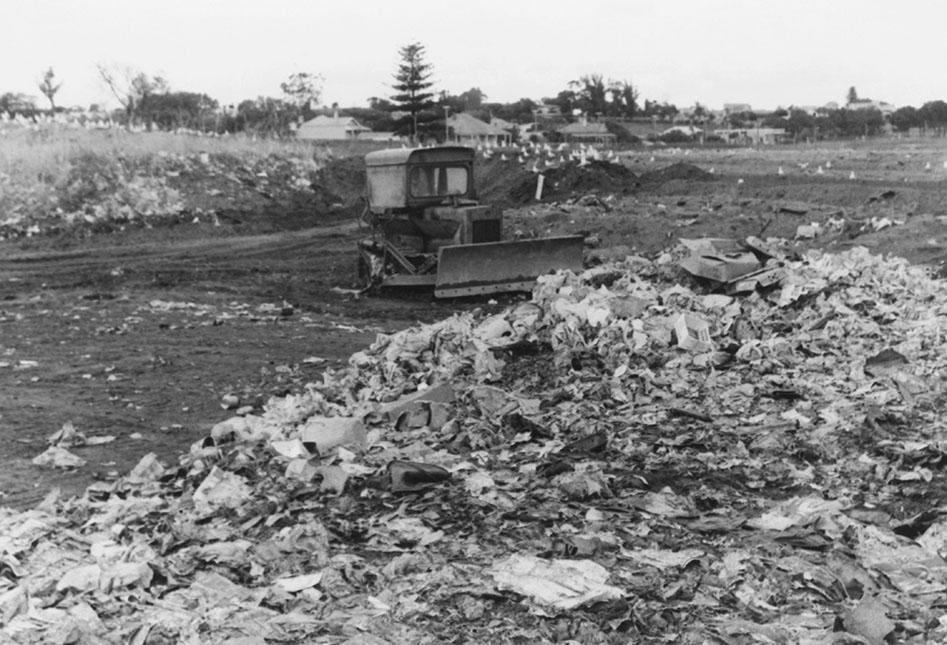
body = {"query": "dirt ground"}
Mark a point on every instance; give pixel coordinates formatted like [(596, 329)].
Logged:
[(139, 334)]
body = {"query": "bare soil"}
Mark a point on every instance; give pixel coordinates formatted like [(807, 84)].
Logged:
[(139, 333)]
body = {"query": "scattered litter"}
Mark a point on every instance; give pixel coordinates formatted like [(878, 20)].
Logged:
[(767, 470)]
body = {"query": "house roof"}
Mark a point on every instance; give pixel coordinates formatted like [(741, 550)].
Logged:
[(465, 125), (347, 122), (503, 124), (588, 129)]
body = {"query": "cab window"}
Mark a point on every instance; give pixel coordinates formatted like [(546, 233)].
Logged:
[(438, 181)]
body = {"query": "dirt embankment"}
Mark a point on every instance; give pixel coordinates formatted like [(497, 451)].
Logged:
[(509, 183)]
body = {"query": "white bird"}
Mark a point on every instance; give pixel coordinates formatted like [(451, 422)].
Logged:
[(927, 166), (803, 165), (828, 164), (651, 160), (945, 165), (851, 175), (503, 157), (779, 171), (819, 171), (712, 170), (739, 181), (520, 159)]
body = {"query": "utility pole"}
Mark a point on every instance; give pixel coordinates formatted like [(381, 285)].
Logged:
[(446, 126)]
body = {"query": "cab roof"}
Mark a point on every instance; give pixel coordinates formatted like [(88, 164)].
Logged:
[(402, 156)]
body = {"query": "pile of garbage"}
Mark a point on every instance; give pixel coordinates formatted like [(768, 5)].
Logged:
[(105, 191), (620, 459)]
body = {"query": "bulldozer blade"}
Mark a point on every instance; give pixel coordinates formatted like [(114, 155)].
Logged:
[(496, 267)]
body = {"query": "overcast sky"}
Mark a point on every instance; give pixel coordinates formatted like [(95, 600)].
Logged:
[(802, 52)]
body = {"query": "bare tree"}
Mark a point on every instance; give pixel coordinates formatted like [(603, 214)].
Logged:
[(303, 89), (130, 86), (48, 86)]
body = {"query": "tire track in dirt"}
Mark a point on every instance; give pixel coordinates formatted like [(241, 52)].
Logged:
[(202, 251)]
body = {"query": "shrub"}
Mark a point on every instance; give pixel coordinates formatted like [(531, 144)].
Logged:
[(675, 136)]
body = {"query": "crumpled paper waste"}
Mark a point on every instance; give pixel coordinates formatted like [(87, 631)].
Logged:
[(561, 584), (763, 491)]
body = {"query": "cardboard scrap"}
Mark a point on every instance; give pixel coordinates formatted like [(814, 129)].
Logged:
[(869, 620), (326, 433), (693, 333), (718, 259)]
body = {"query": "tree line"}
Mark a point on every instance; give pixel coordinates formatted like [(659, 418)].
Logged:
[(416, 110), (853, 120)]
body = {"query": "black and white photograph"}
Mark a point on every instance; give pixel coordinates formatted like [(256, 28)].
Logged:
[(502, 323)]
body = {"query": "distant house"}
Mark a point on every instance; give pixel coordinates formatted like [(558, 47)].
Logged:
[(753, 136), (549, 117), (582, 131), (331, 128), (885, 108), (468, 130)]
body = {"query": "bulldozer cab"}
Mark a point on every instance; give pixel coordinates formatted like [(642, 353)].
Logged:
[(410, 180), (428, 230)]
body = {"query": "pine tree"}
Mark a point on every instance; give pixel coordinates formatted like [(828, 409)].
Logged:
[(412, 82)]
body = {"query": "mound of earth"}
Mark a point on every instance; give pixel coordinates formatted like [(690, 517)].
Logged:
[(340, 182), (678, 171), (509, 184)]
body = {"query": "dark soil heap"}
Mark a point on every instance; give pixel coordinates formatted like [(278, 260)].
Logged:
[(340, 182), (680, 170), (509, 184)]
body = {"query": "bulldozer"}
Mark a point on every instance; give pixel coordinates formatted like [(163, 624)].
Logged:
[(429, 229)]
